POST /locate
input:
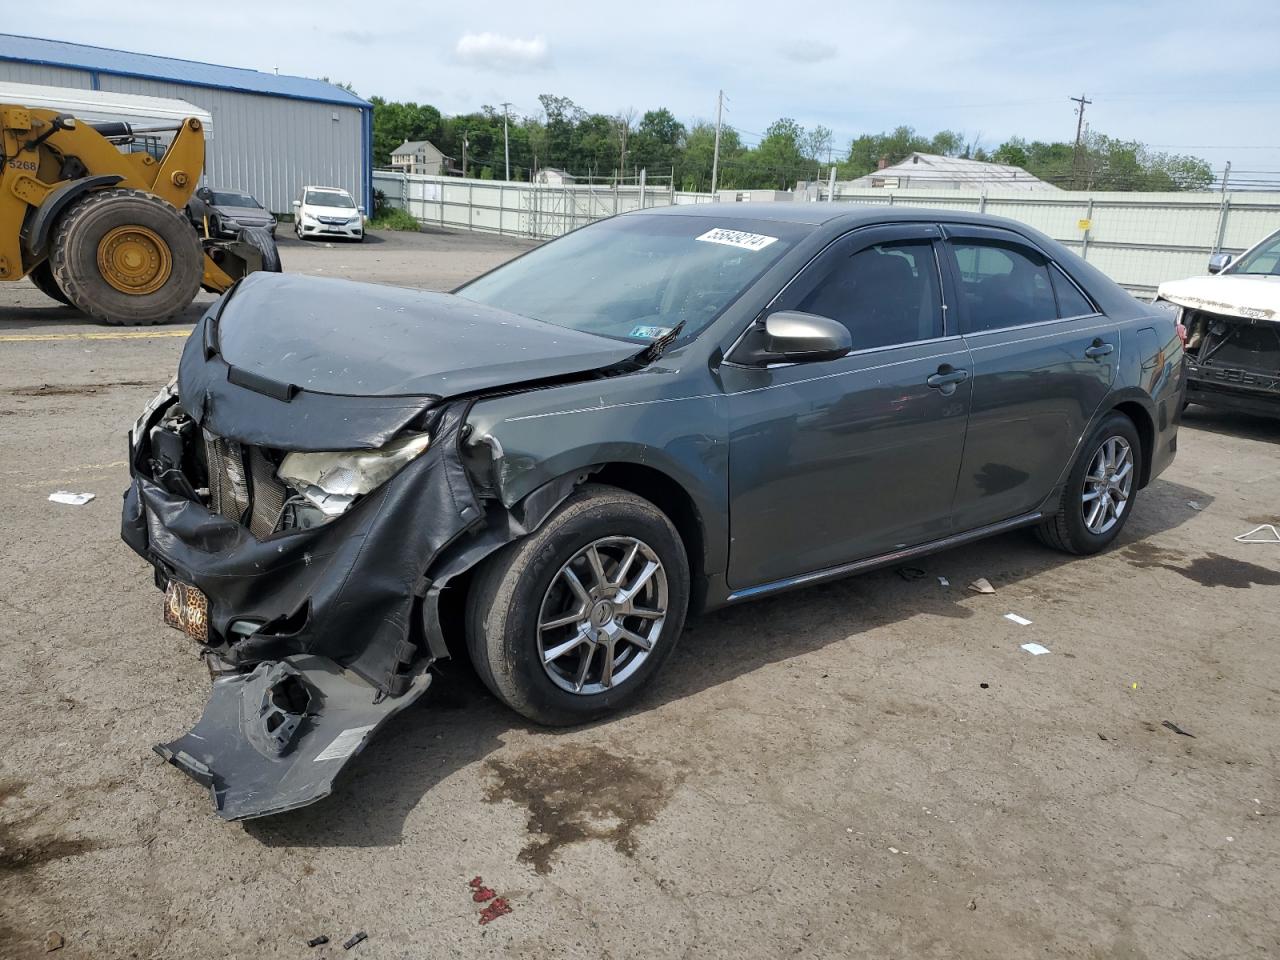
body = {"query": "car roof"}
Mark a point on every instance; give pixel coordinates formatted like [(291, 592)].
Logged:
[(327, 189), (843, 215)]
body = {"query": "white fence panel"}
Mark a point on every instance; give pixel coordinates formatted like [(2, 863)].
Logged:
[(1138, 239)]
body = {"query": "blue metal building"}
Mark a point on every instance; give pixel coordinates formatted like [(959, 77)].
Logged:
[(271, 134)]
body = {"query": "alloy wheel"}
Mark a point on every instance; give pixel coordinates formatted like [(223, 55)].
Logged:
[(1107, 485), (602, 615)]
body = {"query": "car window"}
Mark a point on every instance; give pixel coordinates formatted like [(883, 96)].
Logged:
[(329, 198), (1071, 302), (1002, 286), (638, 276), (1264, 260), (234, 200), (885, 294)]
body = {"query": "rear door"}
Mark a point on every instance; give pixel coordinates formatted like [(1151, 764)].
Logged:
[(837, 460), (1043, 359)]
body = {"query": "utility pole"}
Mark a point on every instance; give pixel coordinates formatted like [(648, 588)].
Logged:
[(1083, 102), (715, 156), (465, 134), (506, 143)]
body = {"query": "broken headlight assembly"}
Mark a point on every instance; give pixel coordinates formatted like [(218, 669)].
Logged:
[(328, 483)]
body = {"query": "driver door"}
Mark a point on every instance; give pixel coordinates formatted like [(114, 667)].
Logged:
[(838, 460)]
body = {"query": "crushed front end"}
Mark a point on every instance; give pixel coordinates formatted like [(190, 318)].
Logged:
[(302, 600), (1233, 362)]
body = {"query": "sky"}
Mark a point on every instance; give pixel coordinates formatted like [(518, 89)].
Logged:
[(1185, 77)]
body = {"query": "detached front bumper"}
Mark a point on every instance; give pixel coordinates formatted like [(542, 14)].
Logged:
[(310, 632)]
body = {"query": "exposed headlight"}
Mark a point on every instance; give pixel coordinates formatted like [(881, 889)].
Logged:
[(331, 481), (159, 400)]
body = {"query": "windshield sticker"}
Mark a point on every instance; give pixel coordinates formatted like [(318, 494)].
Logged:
[(736, 238), (649, 333)]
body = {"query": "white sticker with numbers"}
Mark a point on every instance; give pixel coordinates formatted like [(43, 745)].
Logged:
[(737, 238)]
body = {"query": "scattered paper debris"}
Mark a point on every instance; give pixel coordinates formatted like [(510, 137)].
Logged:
[(982, 585), (355, 938), (1195, 505), (1169, 724), (1020, 621), (1034, 649), (893, 849), (1262, 533), (71, 499), (944, 582)]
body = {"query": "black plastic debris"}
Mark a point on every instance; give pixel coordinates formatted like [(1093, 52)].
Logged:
[(318, 941), (910, 573), (1176, 729), (355, 938)]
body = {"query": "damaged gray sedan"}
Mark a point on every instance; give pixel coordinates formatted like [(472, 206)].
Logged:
[(550, 468)]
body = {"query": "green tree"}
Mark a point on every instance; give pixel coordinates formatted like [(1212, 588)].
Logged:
[(394, 123)]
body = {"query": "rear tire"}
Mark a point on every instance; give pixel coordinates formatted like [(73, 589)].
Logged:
[(42, 277), (265, 241), (1091, 478), (151, 256), (521, 592)]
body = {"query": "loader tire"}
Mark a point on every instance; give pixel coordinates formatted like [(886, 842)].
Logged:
[(126, 257), (261, 238), (42, 277)]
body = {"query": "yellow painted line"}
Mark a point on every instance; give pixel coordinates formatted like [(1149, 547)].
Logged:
[(132, 335)]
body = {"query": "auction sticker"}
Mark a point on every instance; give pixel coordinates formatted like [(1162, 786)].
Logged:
[(649, 333), (736, 238)]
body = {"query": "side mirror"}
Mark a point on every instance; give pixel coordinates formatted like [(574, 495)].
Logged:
[(297, 204), (1219, 262), (360, 210), (790, 336)]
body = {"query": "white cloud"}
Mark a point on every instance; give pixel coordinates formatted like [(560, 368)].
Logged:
[(499, 52), (808, 51)]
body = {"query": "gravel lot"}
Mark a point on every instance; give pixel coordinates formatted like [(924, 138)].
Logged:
[(868, 768)]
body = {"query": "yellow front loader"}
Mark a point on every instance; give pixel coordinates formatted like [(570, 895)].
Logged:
[(104, 230)]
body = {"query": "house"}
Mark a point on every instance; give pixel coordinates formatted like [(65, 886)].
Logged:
[(931, 171), (420, 156), (553, 177)]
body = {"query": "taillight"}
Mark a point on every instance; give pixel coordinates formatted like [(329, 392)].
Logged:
[(1182, 333)]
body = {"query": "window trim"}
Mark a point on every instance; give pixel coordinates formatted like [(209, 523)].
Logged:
[(1054, 265)]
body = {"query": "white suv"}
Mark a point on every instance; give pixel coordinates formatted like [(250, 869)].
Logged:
[(327, 212)]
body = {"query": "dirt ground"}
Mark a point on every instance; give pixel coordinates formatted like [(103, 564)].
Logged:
[(868, 768)]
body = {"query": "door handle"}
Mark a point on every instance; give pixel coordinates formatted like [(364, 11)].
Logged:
[(1098, 349), (946, 379)]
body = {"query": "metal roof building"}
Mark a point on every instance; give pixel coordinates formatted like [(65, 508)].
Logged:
[(935, 172), (271, 134)]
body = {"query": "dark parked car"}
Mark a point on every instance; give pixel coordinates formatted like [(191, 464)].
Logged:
[(229, 211), (664, 412)]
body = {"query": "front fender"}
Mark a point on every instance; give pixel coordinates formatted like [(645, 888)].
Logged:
[(35, 234)]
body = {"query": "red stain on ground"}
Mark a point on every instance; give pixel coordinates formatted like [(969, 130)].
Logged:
[(498, 908)]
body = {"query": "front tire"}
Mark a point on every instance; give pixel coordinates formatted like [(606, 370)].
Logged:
[(1100, 492), (572, 622), (126, 257)]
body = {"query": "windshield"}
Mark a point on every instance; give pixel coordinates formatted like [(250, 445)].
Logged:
[(638, 277), (1264, 259), (235, 200), (329, 198)]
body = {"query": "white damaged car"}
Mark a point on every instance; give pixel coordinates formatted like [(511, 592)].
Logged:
[(1232, 322)]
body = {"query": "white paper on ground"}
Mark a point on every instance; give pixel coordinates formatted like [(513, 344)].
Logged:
[(73, 499), (1021, 621), (982, 585), (1034, 649), (1262, 533)]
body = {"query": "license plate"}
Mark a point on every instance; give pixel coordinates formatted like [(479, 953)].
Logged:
[(186, 608)]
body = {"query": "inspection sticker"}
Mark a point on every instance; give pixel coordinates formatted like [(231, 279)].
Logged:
[(345, 743), (736, 238), (649, 333)]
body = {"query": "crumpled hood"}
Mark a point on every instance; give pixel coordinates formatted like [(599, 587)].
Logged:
[(309, 363), (1255, 297), (244, 214)]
